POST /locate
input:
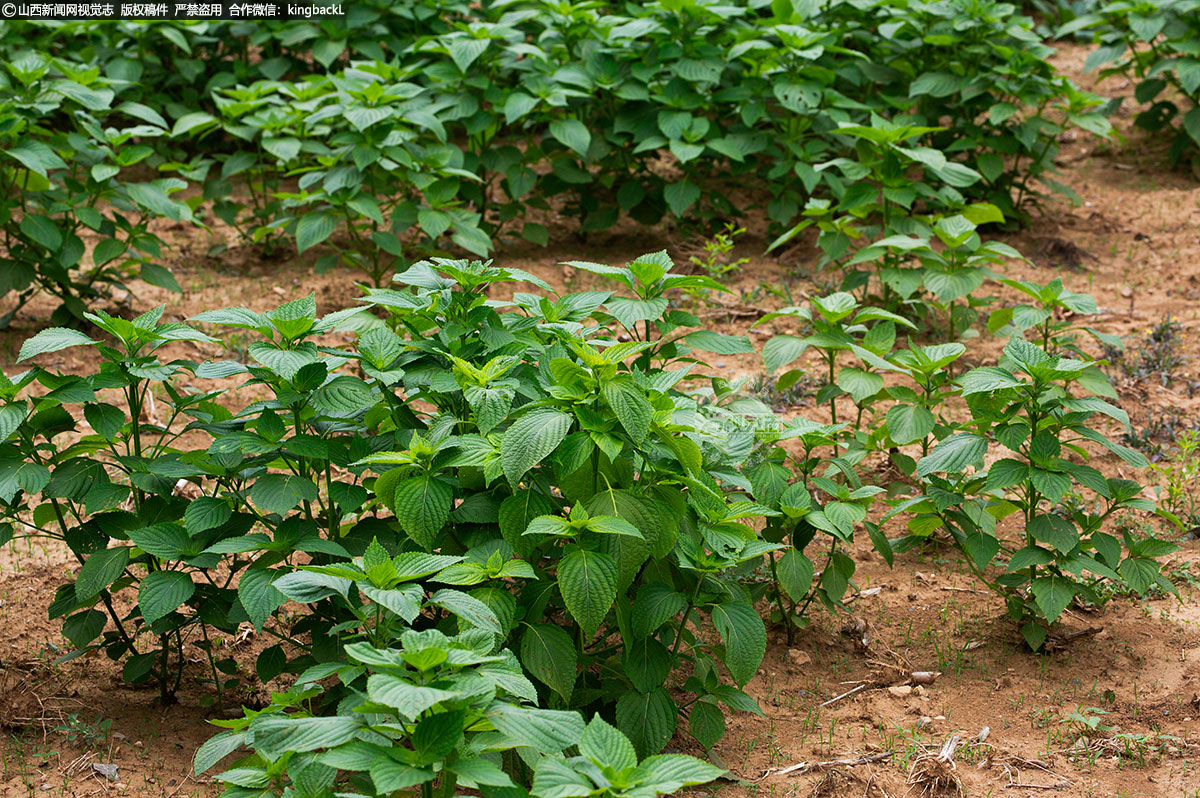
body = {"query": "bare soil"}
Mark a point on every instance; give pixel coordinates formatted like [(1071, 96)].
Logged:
[(1134, 243)]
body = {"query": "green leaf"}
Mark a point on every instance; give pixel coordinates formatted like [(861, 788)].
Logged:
[(669, 773), (258, 597), (706, 723), (860, 384), (909, 423), (745, 638), (99, 571), (408, 699), (1055, 531), (548, 654), (554, 777), (647, 719), (572, 133), (1053, 594), (1006, 473), (279, 493), (656, 603), (545, 730), (530, 440), (313, 228), (36, 157), (42, 230), (206, 513), (52, 340), (681, 196), (275, 735), (215, 749), (1034, 634), (982, 549), (162, 592), (953, 454), (422, 506), (606, 746), (588, 583), (161, 277), (795, 574), (986, 380), (11, 417), (480, 772), (711, 341), (467, 608), (166, 540), (630, 406)]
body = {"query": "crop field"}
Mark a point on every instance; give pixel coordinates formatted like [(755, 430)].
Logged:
[(532, 399)]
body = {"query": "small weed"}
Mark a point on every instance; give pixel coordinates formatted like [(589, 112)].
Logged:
[(1158, 353), (89, 734)]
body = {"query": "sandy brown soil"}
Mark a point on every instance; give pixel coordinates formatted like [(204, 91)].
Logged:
[(1134, 243)]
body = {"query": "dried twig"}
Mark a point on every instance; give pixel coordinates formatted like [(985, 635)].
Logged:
[(846, 694), (802, 767)]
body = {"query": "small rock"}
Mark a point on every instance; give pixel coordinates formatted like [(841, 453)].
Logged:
[(277, 290), (925, 677), (924, 722), (107, 771), (798, 657), (900, 691), (1127, 292), (919, 690), (939, 717)]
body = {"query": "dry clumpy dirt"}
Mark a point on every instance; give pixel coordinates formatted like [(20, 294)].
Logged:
[(1134, 244)]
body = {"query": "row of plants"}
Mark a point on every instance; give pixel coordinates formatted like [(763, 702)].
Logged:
[(482, 505), (76, 222), (420, 129), (1157, 46)]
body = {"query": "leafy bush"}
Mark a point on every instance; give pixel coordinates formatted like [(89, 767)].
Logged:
[(619, 496), (439, 713), (1156, 44), (1027, 406), (419, 128), (64, 141)]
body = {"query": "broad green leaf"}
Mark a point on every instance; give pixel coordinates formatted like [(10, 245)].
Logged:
[(745, 638), (279, 493), (647, 719), (669, 773), (52, 340), (162, 592), (257, 596), (656, 603), (953, 454), (909, 423), (718, 343), (630, 406), (606, 746), (572, 133), (795, 574), (530, 440), (1053, 594), (588, 583), (206, 513), (467, 608), (99, 571), (545, 730), (275, 735), (548, 654), (422, 506)]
